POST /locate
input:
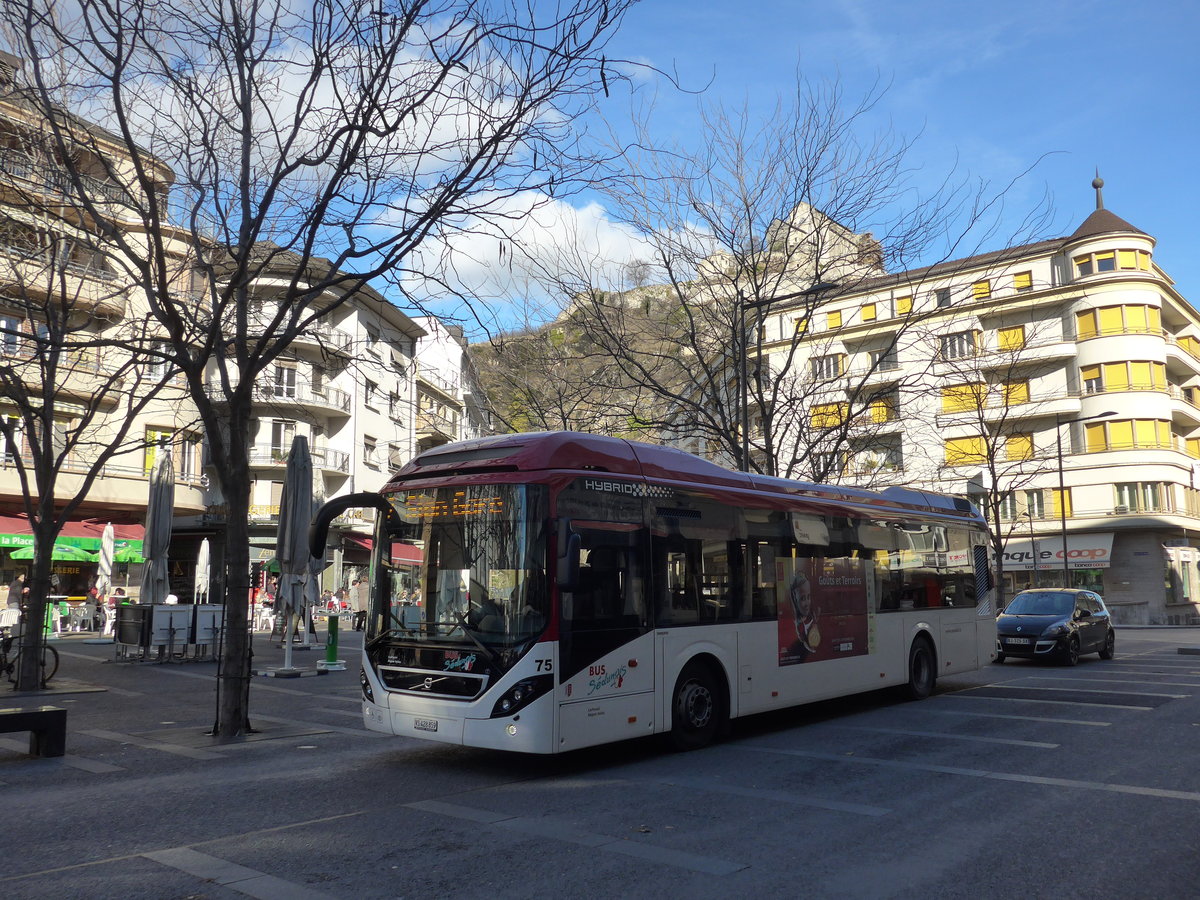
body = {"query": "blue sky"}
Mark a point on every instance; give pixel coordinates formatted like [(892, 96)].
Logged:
[(988, 87)]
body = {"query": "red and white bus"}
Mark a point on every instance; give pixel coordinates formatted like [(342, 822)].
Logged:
[(575, 589)]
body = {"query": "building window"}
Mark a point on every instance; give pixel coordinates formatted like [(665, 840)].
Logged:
[(1035, 504), (1061, 505), (885, 408), (903, 305), (372, 340), (1110, 261), (966, 451), (1145, 496), (884, 360), (1106, 261), (370, 393), (833, 320), (318, 381), (1023, 281), (942, 297), (285, 380), (13, 439), (394, 409), (10, 335), (1128, 319), (188, 450), (1012, 338), (1127, 434), (157, 439), (800, 326), (370, 456), (869, 312), (1008, 506), (981, 290), (958, 345), (963, 397), (283, 431), (1093, 382), (828, 415), (826, 367)]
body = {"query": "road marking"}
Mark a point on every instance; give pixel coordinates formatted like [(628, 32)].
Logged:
[(701, 784), (73, 762), (985, 715), (323, 727), (1023, 687), (244, 880), (1113, 680), (177, 749), (694, 862), (955, 737), (963, 695), (1190, 796)]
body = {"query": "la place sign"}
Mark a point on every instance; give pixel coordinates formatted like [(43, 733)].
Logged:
[(1084, 551)]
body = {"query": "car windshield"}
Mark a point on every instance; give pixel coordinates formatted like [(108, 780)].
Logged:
[(1041, 603), (481, 574)]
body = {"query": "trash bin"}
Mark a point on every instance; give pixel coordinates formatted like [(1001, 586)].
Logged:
[(133, 624)]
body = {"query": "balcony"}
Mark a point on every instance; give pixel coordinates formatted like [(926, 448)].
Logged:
[(438, 381), (323, 458), (435, 425), (46, 178), (327, 399)]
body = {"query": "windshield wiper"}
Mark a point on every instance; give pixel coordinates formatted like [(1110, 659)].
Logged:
[(384, 635), (470, 632)]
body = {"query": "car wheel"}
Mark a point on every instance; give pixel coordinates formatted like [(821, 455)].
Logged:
[(697, 709), (922, 670), (999, 657), (1110, 645), (1071, 652)]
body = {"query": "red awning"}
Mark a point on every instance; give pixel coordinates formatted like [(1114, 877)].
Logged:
[(406, 554)]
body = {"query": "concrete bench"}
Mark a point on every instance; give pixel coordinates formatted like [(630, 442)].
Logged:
[(47, 727)]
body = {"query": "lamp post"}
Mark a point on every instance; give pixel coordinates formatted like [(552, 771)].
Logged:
[(1059, 421), (743, 375), (1032, 547)]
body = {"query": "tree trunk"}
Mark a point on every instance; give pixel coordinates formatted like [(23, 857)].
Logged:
[(29, 675), (233, 706)]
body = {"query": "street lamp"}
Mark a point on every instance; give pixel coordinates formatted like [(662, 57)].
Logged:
[(1032, 547), (1059, 421), (743, 375)]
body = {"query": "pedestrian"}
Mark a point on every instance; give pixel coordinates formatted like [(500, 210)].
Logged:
[(358, 597), (18, 591)]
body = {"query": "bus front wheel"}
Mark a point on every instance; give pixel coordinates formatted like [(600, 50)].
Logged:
[(697, 708), (922, 670)]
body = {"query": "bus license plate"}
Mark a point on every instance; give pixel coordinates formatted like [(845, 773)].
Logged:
[(1007, 640), (425, 724)]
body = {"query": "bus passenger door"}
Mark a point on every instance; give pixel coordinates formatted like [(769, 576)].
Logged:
[(606, 655)]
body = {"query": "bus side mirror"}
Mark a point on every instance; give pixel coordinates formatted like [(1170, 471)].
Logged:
[(567, 575)]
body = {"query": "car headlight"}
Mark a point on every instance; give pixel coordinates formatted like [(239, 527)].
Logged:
[(1056, 630)]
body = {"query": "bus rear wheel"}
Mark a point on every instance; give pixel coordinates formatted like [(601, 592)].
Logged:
[(697, 708), (922, 670)]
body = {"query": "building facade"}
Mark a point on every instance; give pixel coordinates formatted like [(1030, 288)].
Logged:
[(1056, 383)]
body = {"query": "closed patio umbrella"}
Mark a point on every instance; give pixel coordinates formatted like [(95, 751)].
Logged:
[(104, 574), (291, 544), (202, 564), (160, 508)]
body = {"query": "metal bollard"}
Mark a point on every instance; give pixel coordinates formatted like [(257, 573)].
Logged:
[(331, 662)]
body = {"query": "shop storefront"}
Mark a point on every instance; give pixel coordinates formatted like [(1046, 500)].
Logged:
[(1039, 562)]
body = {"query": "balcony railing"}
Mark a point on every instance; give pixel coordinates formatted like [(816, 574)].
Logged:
[(76, 464), (265, 455), (294, 395), (435, 423), (55, 179)]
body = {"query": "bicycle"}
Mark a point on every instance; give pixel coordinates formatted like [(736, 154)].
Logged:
[(10, 654)]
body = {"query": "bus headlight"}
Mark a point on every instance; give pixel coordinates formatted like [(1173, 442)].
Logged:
[(522, 694), (366, 685)]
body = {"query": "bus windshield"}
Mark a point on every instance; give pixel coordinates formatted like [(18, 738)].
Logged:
[(482, 575)]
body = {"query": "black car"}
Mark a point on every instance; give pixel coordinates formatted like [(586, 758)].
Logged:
[(1055, 623)]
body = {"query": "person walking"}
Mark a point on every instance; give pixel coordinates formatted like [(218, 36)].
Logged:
[(358, 600), (18, 591)]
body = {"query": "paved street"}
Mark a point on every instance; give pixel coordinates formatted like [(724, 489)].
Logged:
[(1021, 780)]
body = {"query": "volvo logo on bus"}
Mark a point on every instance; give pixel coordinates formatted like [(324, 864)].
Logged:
[(429, 682)]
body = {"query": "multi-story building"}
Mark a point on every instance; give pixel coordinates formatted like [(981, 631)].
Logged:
[(1058, 383), (451, 405)]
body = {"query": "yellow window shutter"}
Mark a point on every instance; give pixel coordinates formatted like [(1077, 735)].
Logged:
[(1116, 377), (1090, 373), (834, 319), (828, 415), (1019, 446), (1085, 324), (1135, 318), (1143, 260), (981, 290), (965, 451), (903, 305), (1022, 281), (1155, 318), (1015, 392), (1096, 440), (1159, 376), (1011, 338), (1193, 448), (1164, 433), (868, 312), (1126, 259), (1145, 433), (1111, 321), (1120, 434), (1061, 502), (1139, 376)]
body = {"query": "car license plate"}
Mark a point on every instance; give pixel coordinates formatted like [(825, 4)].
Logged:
[(425, 724), (1017, 641)]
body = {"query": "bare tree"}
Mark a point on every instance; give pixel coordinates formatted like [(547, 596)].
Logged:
[(751, 238), (293, 153)]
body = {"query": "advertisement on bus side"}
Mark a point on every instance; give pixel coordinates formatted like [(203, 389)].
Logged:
[(823, 613)]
